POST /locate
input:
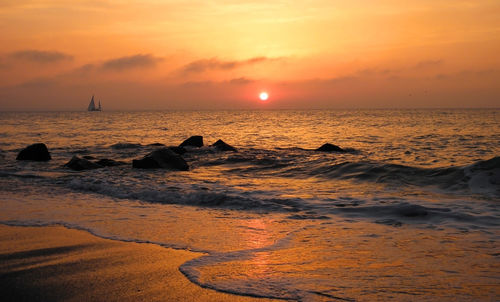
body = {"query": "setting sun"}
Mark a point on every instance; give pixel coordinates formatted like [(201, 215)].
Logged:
[(263, 96)]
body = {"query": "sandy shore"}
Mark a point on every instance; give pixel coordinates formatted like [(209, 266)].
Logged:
[(58, 264)]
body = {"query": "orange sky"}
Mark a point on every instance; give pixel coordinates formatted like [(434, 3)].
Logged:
[(172, 54)]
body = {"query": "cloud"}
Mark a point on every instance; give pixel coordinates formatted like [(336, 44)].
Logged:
[(118, 64), (40, 56), (377, 72), (85, 69), (491, 73), (38, 83), (241, 81), (428, 64), (131, 62), (216, 64), (233, 82)]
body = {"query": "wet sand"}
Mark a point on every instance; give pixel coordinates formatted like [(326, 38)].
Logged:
[(59, 264)]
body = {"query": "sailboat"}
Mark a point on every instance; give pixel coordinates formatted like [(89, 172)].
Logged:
[(92, 106)]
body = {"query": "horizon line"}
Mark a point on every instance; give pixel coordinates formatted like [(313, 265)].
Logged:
[(261, 109)]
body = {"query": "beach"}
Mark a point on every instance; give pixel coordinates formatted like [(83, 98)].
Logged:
[(58, 264)]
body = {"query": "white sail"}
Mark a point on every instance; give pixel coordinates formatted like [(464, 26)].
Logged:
[(92, 104)]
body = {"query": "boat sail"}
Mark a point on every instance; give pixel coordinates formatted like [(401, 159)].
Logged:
[(92, 106)]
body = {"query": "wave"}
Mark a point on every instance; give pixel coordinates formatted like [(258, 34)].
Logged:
[(192, 197), (19, 175), (480, 177), (484, 176), (390, 212), (396, 214)]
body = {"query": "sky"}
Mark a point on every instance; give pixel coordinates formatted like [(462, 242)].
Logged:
[(213, 54)]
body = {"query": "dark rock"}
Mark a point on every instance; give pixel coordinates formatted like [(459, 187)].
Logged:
[(168, 159), (88, 157), (145, 163), (37, 152), (179, 150), (106, 162), (161, 158), (222, 146), (78, 164), (157, 145), (194, 141), (330, 148)]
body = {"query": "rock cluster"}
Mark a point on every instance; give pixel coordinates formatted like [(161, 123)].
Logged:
[(162, 158)]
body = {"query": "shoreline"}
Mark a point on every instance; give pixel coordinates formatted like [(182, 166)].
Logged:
[(56, 263)]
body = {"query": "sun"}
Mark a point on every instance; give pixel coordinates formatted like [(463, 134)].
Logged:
[(263, 96)]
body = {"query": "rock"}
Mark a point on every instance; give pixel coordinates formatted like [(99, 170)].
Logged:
[(168, 159), (156, 145), (178, 150), (330, 148), (194, 141), (106, 162), (37, 152), (78, 164), (88, 157), (161, 158), (145, 163), (222, 146)]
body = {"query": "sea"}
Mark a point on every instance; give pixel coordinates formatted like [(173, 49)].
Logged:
[(411, 212)]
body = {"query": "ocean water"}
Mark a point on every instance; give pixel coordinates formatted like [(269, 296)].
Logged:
[(410, 212)]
